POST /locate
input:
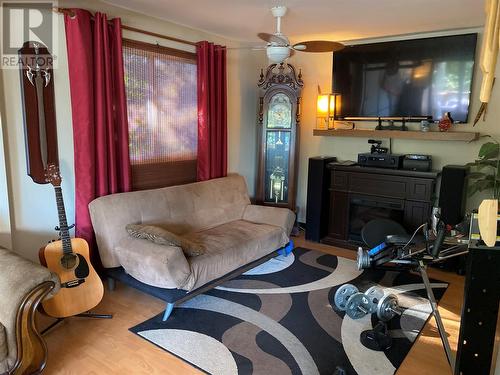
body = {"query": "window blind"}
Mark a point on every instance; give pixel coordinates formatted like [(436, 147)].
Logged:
[(161, 85)]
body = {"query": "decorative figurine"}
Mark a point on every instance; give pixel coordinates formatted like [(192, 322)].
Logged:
[(446, 122), (424, 125)]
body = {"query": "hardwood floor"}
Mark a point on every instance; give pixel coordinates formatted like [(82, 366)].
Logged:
[(93, 346)]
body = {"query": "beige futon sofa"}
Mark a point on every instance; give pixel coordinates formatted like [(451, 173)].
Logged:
[(215, 213)]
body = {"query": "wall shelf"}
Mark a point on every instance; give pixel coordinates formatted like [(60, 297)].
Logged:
[(398, 134)]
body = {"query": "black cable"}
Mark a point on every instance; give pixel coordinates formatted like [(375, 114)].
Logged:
[(414, 234), (438, 242)]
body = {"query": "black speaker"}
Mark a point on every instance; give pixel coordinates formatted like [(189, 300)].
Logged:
[(317, 197), (452, 194)]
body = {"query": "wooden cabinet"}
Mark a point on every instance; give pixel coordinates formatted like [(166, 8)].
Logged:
[(339, 215), (416, 213), (359, 194)]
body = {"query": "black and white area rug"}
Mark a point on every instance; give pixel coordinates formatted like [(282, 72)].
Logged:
[(278, 319)]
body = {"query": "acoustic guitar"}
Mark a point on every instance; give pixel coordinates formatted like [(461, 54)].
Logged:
[(81, 287)]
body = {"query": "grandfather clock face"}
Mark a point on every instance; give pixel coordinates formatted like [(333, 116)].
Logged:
[(280, 112), (278, 131)]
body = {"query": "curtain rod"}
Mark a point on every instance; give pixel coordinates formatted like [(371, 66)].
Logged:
[(70, 12)]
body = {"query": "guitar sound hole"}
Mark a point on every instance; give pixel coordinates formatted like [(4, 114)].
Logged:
[(69, 261)]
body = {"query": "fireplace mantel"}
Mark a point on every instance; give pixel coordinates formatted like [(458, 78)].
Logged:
[(393, 193)]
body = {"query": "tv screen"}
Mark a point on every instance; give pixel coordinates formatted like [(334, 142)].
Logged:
[(420, 77)]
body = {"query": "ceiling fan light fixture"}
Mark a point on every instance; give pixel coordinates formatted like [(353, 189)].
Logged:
[(278, 45), (278, 11), (277, 54)]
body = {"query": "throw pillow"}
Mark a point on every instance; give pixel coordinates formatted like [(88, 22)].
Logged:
[(161, 236)]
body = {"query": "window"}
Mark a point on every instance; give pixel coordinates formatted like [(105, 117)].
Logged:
[(161, 86)]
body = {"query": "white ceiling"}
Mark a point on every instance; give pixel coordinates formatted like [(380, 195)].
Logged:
[(339, 20)]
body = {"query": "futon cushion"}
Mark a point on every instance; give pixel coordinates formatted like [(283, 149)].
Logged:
[(230, 246), (161, 236), (281, 217), (3, 343)]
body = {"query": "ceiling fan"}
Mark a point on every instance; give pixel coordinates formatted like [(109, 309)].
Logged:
[(278, 46)]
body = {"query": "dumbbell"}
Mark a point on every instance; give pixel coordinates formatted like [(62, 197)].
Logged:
[(356, 305), (348, 298), (388, 307), (364, 259), (374, 295), (343, 294)]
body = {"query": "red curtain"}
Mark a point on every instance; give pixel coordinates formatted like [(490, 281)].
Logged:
[(99, 110), (212, 111)]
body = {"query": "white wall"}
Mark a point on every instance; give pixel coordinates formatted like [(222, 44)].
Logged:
[(243, 75), (317, 70), (33, 213), (5, 237)]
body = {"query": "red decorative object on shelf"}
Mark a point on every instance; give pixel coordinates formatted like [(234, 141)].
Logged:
[(446, 122)]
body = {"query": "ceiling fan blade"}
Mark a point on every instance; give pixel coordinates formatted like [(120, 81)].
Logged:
[(271, 38), (318, 46)]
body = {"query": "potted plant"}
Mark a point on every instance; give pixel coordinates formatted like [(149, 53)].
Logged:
[(485, 176), (485, 171)]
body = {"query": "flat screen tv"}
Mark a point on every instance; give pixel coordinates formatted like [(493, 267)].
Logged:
[(408, 78)]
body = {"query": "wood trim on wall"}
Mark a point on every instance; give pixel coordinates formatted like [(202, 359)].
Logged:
[(159, 49), (157, 35), (157, 175)]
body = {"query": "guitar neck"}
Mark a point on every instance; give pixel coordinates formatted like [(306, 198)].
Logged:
[(63, 223)]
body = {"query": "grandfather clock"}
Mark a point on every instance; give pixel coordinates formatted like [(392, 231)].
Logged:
[(279, 118)]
